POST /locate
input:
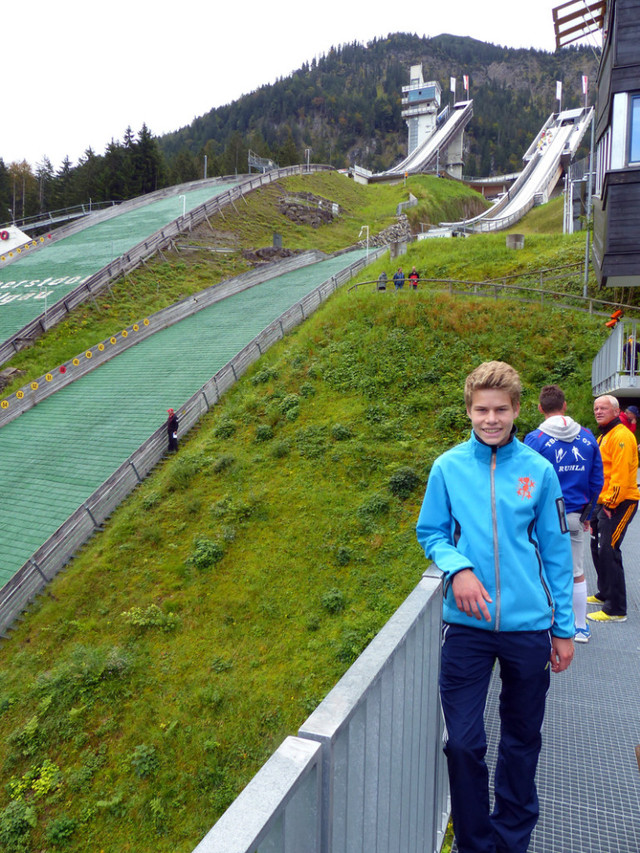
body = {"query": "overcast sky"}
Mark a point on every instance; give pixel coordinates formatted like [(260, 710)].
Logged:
[(78, 75)]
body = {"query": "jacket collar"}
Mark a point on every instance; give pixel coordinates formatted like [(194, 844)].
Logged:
[(485, 451), (607, 427)]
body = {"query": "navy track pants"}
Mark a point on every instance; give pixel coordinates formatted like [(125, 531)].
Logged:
[(468, 657), (606, 540)]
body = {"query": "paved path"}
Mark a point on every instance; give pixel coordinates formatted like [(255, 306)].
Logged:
[(55, 270), (55, 455)]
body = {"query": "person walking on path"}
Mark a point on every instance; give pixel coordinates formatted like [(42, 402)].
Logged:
[(575, 455), (617, 505), (382, 281), (493, 521), (398, 279), (172, 430), (414, 278)]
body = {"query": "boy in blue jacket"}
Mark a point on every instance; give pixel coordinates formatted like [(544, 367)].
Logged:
[(493, 521)]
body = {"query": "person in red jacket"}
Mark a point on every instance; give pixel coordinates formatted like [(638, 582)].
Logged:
[(630, 417)]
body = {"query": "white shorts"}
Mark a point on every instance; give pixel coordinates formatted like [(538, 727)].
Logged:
[(577, 534)]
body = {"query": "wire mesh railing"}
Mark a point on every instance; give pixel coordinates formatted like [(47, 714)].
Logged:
[(50, 217), (520, 286)]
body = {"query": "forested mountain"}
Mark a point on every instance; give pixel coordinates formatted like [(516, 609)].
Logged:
[(345, 107)]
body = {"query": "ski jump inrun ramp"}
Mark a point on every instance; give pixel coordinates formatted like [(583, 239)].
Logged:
[(548, 155)]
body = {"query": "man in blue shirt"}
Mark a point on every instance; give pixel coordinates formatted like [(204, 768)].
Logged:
[(574, 453)]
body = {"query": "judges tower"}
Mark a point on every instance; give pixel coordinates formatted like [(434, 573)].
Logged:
[(421, 101)]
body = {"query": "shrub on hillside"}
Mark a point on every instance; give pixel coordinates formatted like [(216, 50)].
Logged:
[(281, 449), (225, 428), (144, 760), (16, 822), (264, 432), (452, 418), (60, 830), (184, 470), (150, 617), (339, 432), (290, 407), (374, 507), (150, 500), (223, 462), (333, 601), (403, 482), (206, 553), (264, 375), (311, 441)]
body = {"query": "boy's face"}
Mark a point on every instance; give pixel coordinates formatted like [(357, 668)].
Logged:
[(492, 415)]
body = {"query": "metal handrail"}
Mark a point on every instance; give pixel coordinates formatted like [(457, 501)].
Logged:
[(593, 306), (336, 786), (48, 216)]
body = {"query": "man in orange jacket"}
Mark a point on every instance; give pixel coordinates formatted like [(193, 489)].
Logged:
[(617, 504)]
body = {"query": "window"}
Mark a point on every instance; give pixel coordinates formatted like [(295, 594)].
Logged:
[(634, 134)]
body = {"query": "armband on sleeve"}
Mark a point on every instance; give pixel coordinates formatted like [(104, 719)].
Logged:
[(562, 516)]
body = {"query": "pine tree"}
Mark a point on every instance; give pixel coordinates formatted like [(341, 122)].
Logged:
[(148, 163), (6, 213), (45, 177)]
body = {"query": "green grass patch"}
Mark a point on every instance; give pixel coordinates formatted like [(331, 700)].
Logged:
[(545, 219)]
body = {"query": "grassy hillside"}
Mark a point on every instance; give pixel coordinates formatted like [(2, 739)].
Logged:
[(233, 588), (546, 219)]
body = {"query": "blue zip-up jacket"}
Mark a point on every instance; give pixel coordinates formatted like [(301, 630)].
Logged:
[(500, 512)]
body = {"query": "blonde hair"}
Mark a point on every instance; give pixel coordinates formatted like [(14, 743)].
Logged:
[(493, 375)]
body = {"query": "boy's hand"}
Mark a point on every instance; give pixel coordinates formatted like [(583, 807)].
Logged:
[(470, 595), (561, 653)]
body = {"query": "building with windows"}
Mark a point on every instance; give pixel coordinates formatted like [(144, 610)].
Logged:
[(616, 203)]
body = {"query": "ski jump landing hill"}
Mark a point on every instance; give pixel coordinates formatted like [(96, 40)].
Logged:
[(547, 157), (77, 440)]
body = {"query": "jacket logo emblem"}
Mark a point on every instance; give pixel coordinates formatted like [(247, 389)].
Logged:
[(526, 487)]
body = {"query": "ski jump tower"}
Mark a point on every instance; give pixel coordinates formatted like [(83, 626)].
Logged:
[(421, 110), (422, 102)]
